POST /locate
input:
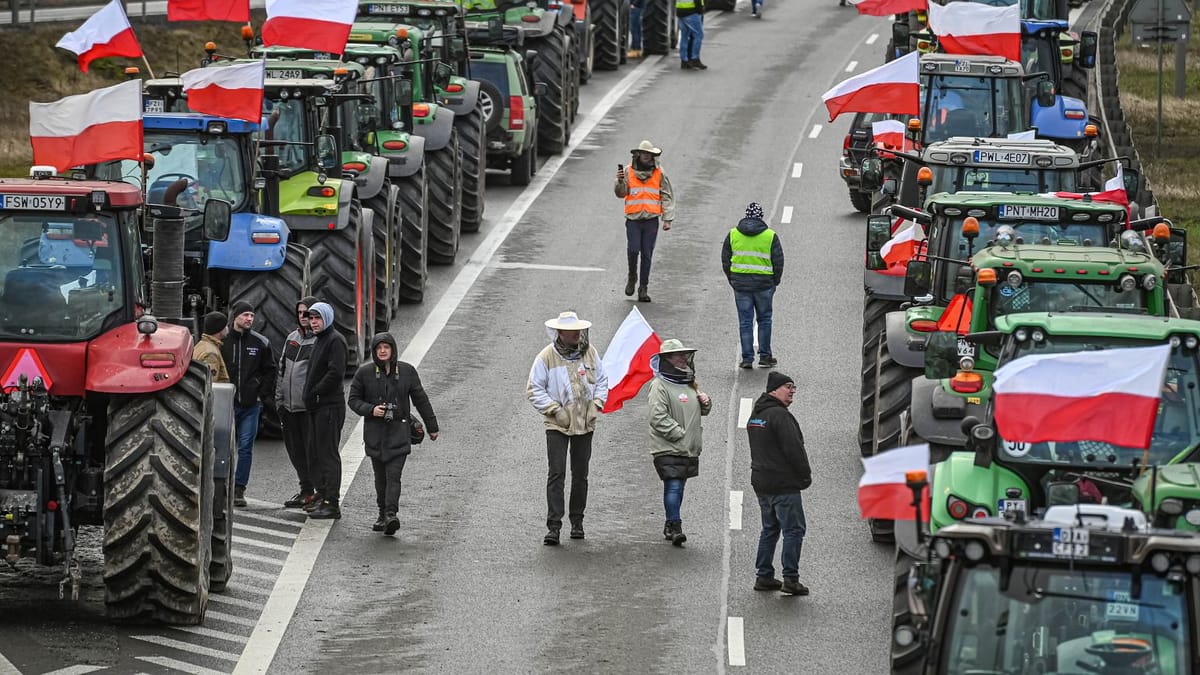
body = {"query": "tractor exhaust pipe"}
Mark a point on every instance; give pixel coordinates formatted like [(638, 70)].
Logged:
[(166, 288)]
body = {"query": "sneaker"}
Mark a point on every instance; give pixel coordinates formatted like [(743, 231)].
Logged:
[(239, 495), (677, 535), (326, 511), (767, 584), (551, 538), (393, 524), (793, 587), (379, 524), (767, 362), (696, 65), (746, 363), (299, 499)]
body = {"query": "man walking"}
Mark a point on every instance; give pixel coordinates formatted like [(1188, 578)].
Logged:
[(325, 408), (289, 401), (213, 329), (691, 33), (251, 367), (567, 385), (752, 258), (648, 197), (779, 471)]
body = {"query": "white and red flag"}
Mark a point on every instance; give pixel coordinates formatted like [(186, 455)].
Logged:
[(974, 28), (893, 87), (888, 7), (208, 10), (883, 490), (106, 33), (890, 135), (627, 360), (227, 91), (321, 25), (898, 250), (99, 126), (1082, 396)]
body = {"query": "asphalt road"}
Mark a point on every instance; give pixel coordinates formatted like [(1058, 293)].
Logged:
[(467, 585)]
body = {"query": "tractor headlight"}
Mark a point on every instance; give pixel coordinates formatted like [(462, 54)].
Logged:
[(974, 551), (1160, 562), (1015, 279), (1149, 282)]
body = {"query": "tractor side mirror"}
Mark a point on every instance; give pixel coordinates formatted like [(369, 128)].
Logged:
[(941, 354), (530, 57), (217, 216), (1088, 42), (540, 89), (889, 187), (879, 231), (871, 174), (326, 150), (441, 75), (1132, 179), (1175, 255), (918, 278), (1045, 93), (458, 48), (900, 37), (495, 29)]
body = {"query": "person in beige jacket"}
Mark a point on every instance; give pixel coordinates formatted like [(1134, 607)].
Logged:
[(567, 385), (676, 434), (214, 328)]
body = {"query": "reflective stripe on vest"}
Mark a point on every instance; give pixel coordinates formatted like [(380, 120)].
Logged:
[(751, 255), (644, 196), (685, 4)]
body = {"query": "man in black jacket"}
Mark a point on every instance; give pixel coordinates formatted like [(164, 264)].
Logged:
[(251, 366), (381, 392), (752, 258), (779, 471), (325, 408)]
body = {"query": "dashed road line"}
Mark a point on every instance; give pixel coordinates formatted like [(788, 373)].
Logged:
[(851, 66), (737, 642), (79, 669), (240, 556), (230, 618), (224, 599), (246, 541), (242, 589), (816, 131), (297, 524), (744, 408), (254, 529), (257, 574), (186, 647), (797, 169), (735, 509), (177, 666), (871, 40), (787, 215), (213, 633)]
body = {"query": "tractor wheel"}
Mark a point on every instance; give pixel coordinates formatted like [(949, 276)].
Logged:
[(445, 197), (907, 659), (574, 79), (473, 142), (554, 109), (891, 396), (341, 275), (623, 41), (524, 166), (861, 200), (656, 26), (158, 502), (1075, 82), (221, 567), (274, 295), (414, 239), (607, 20), (385, 227), (874, 313)]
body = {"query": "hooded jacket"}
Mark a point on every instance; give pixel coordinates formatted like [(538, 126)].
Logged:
[(778, 461), (675, 413), (621, 189), (251, 367), (326, 365), (208, 352), (569, 393), (750, 283), (394, 382), (292, 373)]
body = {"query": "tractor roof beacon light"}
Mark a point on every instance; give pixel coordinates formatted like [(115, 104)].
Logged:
[(1091, 131), (986, 277), (917, 482), (1131, 240), (970, 227), (1162, 233), (925, 176), (1005, 236), (1015, 279)]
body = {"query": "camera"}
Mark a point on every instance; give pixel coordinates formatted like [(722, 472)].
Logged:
[(389, 412)]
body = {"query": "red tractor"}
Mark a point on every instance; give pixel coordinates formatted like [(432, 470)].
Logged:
[(104, 419)]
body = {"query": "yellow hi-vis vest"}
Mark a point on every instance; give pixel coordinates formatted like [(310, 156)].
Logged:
[(685, 4), (751, 255), (644, 196)]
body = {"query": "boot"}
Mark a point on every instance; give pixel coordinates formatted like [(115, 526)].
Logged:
[(794, 587), (677, 535), (312, 501), (393, 524), (551, 538), (239, 495), (298, 500), (630, 281), (643, 294), (667, 531), (380, 522), (328, 510), (696, 65)]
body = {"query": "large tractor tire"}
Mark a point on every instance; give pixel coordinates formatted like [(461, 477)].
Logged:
[(1075, 82), (658, 27), (220, 570), (385, 227), (158, 502), (906, 660), (445, 198), (472, 140), (524, 166), (554, 109), (891, 396), (874, 314), (606, 17), (860, 200), (342, 265), (414, 237)]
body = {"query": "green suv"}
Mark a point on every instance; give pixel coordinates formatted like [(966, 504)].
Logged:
[(512, 143)]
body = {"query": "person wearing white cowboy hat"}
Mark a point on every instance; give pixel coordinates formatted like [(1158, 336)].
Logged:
[(567, 385), (648, 198)]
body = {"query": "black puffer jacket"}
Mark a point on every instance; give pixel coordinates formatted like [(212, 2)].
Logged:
[(750, 283), (778, 461), (393, 382), (326, 366)]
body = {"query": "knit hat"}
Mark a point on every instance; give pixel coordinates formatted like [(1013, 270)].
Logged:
[(776, 379), (754, 210), (240, 307), (214, 322)]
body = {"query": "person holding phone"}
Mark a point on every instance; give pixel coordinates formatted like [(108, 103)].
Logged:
[(648, 198)]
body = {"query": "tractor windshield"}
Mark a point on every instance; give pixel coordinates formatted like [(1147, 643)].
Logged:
[(988, 179), (211, 167), (1064, 295), (61, 275), (288, 122), (1059, 620), (972, 106), (1040, 54), (1176, 429)]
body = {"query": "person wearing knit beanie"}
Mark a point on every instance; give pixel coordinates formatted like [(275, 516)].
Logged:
[(752, 259), (214, 324), (239, 308), (214, 327), (251, 363), (776, 380)]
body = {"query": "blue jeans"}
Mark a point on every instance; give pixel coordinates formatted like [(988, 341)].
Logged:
[(691, 34), (751, 305), (640, 236), (246, 423), (635, 24), (781, 513), (673, 496)]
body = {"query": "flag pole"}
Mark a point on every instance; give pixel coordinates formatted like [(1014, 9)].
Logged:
[(148, 68)]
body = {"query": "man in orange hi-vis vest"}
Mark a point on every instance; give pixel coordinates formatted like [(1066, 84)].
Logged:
[(648, 199)]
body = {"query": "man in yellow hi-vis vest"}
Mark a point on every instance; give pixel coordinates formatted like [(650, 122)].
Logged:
[(648, 197), (752, 258)]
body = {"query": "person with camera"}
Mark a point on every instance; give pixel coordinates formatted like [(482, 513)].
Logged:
[(381, 392)]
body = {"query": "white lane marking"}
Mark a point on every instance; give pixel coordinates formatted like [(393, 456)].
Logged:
[(254, 529), (737, 642), (259, 502), (264, 642), (222, 599), (797, 169), (744, 408), (186, 647), (297, 524), (211, 633), (242, 556), (735, 509), (257, 574), (246, 541), (816, 131), (242, 589), (851, 66), (871, 40), (547, 268), (177, 666), (7, 667), (74, 670), (229, 618), (787, 215)]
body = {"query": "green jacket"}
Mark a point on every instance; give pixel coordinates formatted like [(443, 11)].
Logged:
[(675, 412)]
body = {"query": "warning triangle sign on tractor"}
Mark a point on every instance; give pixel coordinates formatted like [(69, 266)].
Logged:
[(27, 363)]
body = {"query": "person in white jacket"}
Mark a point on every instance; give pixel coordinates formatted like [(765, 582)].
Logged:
[(567, 385)]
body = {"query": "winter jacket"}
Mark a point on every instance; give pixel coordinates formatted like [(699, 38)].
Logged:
[(568, 393), (675, 413), (292, 373), (778, 461), (326, 365), (394, 382), (208, 352), (251, 365), (621, 188), (750, 283)]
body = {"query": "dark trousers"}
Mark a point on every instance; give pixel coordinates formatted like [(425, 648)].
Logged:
[(295, 431), (558, 445), (387, 484), (781, 514), (324, 433), (640, 235)]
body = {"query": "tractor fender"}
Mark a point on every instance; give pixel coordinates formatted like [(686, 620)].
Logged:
[(239, 252), (223, 431), (936, 415), (437, 132), (114, 363), (407, 161), (1052, 122), (905, 348), (345, 196), (370, 182), (978, 486), (463, 104), (884, 286)]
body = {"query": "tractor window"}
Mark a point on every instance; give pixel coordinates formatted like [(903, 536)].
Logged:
[(986, 179), (54, 286), (211, 166), (288, 123), (1054, 620), (495, 72), (1038, 9), (1039, 54), (972, 106), (1049, 295)]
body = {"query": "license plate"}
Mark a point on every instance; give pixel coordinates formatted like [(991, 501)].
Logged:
[(965, 348), (962, 66), (288, 74), (1070, 542), (1011, 505), (322, 56), (153, 105), (1023, 212), (1119, 607), (387, 8), (34, 202), (1001, 157)]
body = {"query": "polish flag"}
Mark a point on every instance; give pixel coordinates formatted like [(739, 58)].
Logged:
[(1027, 135), (888, 7), (106, 33), (890, 135), (891, 88), (1082, 396), (627, 360), (208, 10), (883, 491), (972, 28), (227, 91), (898, 250), (957, 316), (99, 126), (321, 25)]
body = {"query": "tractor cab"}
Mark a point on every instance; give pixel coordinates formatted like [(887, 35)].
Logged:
[(973, 96)]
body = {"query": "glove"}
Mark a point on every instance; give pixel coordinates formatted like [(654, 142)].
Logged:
[(599, 404)]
